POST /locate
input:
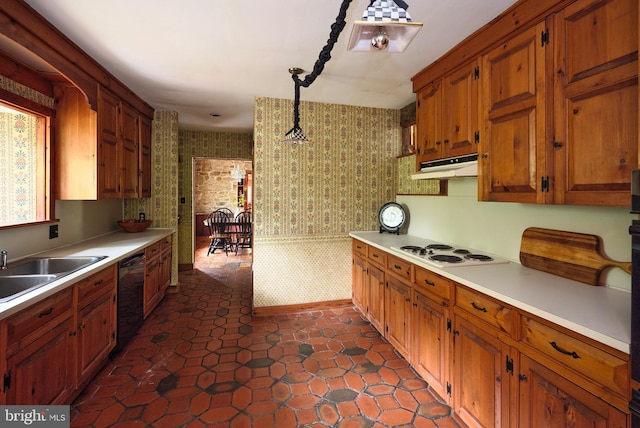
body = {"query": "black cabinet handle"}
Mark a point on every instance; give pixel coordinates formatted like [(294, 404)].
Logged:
[(433, 284), (45, 313), (397, 267), (478, 308), (574, 354)]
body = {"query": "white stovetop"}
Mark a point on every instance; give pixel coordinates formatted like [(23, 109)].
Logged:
[(116, 246), (600, 313)]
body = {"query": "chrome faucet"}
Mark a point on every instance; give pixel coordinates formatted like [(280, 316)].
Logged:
[(3, 259)]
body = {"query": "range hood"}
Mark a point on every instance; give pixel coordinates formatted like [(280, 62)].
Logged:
[(462, 166)]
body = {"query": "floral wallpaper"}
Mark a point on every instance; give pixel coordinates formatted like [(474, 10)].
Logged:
[(308, 198), (18, 166)]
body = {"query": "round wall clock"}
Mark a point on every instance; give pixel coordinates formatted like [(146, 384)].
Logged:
[(392, 217)]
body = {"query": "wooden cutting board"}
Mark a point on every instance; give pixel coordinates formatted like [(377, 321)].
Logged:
[(576, 256)]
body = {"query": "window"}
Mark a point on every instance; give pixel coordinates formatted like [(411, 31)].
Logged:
[(24, 167)]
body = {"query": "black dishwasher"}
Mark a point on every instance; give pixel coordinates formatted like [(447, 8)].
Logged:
[(130, 298)]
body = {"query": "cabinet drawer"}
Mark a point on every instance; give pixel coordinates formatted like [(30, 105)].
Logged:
[(153, 250), (594, 363), (433, 283), (487, 309), (400, 267), (36, 316), (358, 247), (95, 285), (377, 256)]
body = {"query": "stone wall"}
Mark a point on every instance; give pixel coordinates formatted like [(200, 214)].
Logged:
[(213, 186)]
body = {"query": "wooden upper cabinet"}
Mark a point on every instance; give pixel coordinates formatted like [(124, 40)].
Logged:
[(512, 164), (144, 138), (129, 149), (596, 102), (108, 146), (97, 152), (460, 123), (447, 116), (429, 123)]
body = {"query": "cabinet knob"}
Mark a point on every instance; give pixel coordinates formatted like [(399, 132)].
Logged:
[(485, 155)]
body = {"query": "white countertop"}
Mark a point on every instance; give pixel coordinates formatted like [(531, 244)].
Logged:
[(116, 246), (600, 313)]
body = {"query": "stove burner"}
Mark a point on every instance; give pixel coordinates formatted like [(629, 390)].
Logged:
[(411, 248), (478, 257), (439, 247), (446, 258), (461, 251)]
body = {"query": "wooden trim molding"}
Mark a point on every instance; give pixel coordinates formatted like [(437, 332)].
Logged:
[(287, 309)]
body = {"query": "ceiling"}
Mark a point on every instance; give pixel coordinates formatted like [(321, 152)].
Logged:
[(214, 57)]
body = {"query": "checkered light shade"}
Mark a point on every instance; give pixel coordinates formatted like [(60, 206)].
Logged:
[(295, 136), (385, 11)]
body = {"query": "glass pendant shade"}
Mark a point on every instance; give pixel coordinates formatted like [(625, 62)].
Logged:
[(238, 173), (383, 17)]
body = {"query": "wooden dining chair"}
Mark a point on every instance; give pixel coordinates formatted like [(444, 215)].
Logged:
[(243, 230), (219, 223)]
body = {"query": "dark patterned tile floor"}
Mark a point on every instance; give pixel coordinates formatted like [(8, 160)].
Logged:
[(202, 360)]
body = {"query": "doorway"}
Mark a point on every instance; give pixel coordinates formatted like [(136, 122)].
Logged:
[(214, 187)]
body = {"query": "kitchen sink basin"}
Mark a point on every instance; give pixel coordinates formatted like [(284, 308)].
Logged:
[(51, 265), (32, 273), (12, 286)]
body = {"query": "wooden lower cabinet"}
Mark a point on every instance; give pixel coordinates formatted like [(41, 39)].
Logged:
[(42, 372), (481, 385), (157, 273), (430, 342), (547, 399), (495, 365), (398, 314), (358, 281), (375, 308)]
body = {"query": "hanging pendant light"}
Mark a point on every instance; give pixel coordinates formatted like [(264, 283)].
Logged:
[(385, 26)]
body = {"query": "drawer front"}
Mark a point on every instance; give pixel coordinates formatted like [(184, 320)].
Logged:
[(377, 256), (96, 284), (166, 243), (359, 247), (594, 363), (433, 283), (400, 267), (153, 250), (36, 316), (487, 309)]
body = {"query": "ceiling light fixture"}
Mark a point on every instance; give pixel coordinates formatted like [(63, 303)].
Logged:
[(238, 173), (385, 26)]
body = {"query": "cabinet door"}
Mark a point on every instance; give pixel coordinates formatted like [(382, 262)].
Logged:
[(151, 284), (129, 151), (429, 123), (512, 164), (42, 372), (375, 285), (96, 335), (397, 313), (165, 268), (430, 344), (358, 280), (481, 391), (460, 112), (596, 110), (549, 400), (108, 146), (144, 167)]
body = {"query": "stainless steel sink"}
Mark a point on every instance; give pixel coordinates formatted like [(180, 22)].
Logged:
[(51, 265), (12, 286), (32, 273)]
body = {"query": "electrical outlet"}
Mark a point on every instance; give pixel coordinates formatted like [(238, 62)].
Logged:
[(53, 231)]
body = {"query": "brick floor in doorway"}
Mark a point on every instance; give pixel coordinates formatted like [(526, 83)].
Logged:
[(202, 360)]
